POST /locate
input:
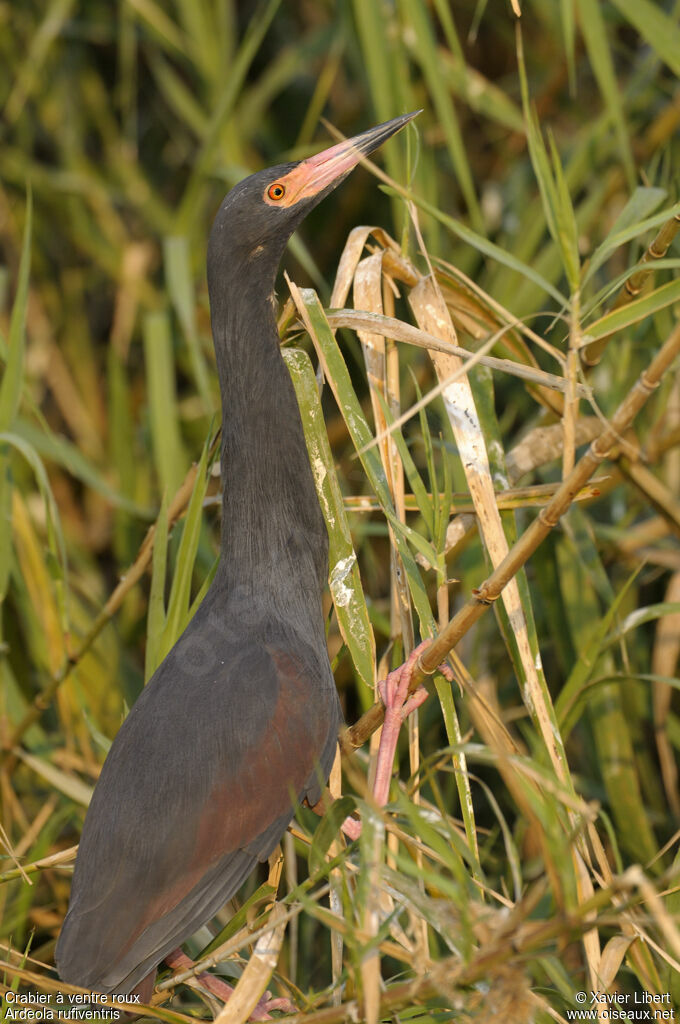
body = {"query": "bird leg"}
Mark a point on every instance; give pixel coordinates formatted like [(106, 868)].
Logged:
[(179, 961), (399, 704), (350, 826)]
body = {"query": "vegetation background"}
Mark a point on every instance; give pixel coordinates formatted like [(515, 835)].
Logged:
[(530, 851)]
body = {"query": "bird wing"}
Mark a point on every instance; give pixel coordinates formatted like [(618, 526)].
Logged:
[(199, 784)]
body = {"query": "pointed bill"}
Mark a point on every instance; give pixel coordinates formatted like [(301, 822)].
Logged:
[(328, 168)]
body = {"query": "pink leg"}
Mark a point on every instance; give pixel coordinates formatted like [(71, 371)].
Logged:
[(398, 706), (351, 827), (179, 961)]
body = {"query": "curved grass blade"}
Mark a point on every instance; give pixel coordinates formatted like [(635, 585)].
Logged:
[(344, 578), (12, 380), (180, 593)]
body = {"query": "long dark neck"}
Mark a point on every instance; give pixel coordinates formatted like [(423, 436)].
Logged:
[(273, 533)]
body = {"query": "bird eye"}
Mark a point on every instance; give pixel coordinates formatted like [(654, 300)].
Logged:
[(276, 191)]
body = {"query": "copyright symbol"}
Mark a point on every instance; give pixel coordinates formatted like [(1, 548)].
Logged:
[(581, 997)]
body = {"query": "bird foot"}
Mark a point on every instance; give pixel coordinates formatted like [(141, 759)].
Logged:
[(179, 961), (399, 704)]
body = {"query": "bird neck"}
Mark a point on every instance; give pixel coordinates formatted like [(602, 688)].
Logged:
[(273, 532)]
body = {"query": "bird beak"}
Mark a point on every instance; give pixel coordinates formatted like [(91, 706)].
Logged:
[(314, 175)]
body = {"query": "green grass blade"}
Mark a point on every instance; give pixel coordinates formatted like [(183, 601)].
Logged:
[(12, 380), (659, 29), (566, 222), (63, 782), (440, 539), (628, 224), (633, 312), (425, 51), (32, 67), (606, 705), (122, 446), (642, 615), (480, 94), (616, 283), (199, 21), (262, 895), (568, 705), (569, 33), (360, 432), (156, 617), (386, 66), (204, 588), (537, 150), (557, 205), (64, 453), (599, 53), (180, 593), (483, 245), (345, 580), (14, 707), (369, 17), (178, 95), (6, 556), (234, 79), (426, 438), (327, 830), (169, 456), (56, 544), (449, 26), (160, 24), (413, 476), (181, 291)]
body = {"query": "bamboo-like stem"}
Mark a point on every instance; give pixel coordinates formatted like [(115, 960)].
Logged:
[(631, 288), (483, 598), (532, 496), (570, 414)]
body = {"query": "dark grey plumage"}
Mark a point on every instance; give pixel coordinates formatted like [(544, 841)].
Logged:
[(241, 718)]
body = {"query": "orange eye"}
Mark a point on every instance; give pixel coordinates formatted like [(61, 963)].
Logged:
[(276, 191)]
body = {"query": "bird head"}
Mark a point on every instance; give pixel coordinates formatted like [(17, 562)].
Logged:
[(259, 215)]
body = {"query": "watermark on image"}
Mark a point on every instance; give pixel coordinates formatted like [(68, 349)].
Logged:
[(623, 1006), (33, 1005)]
